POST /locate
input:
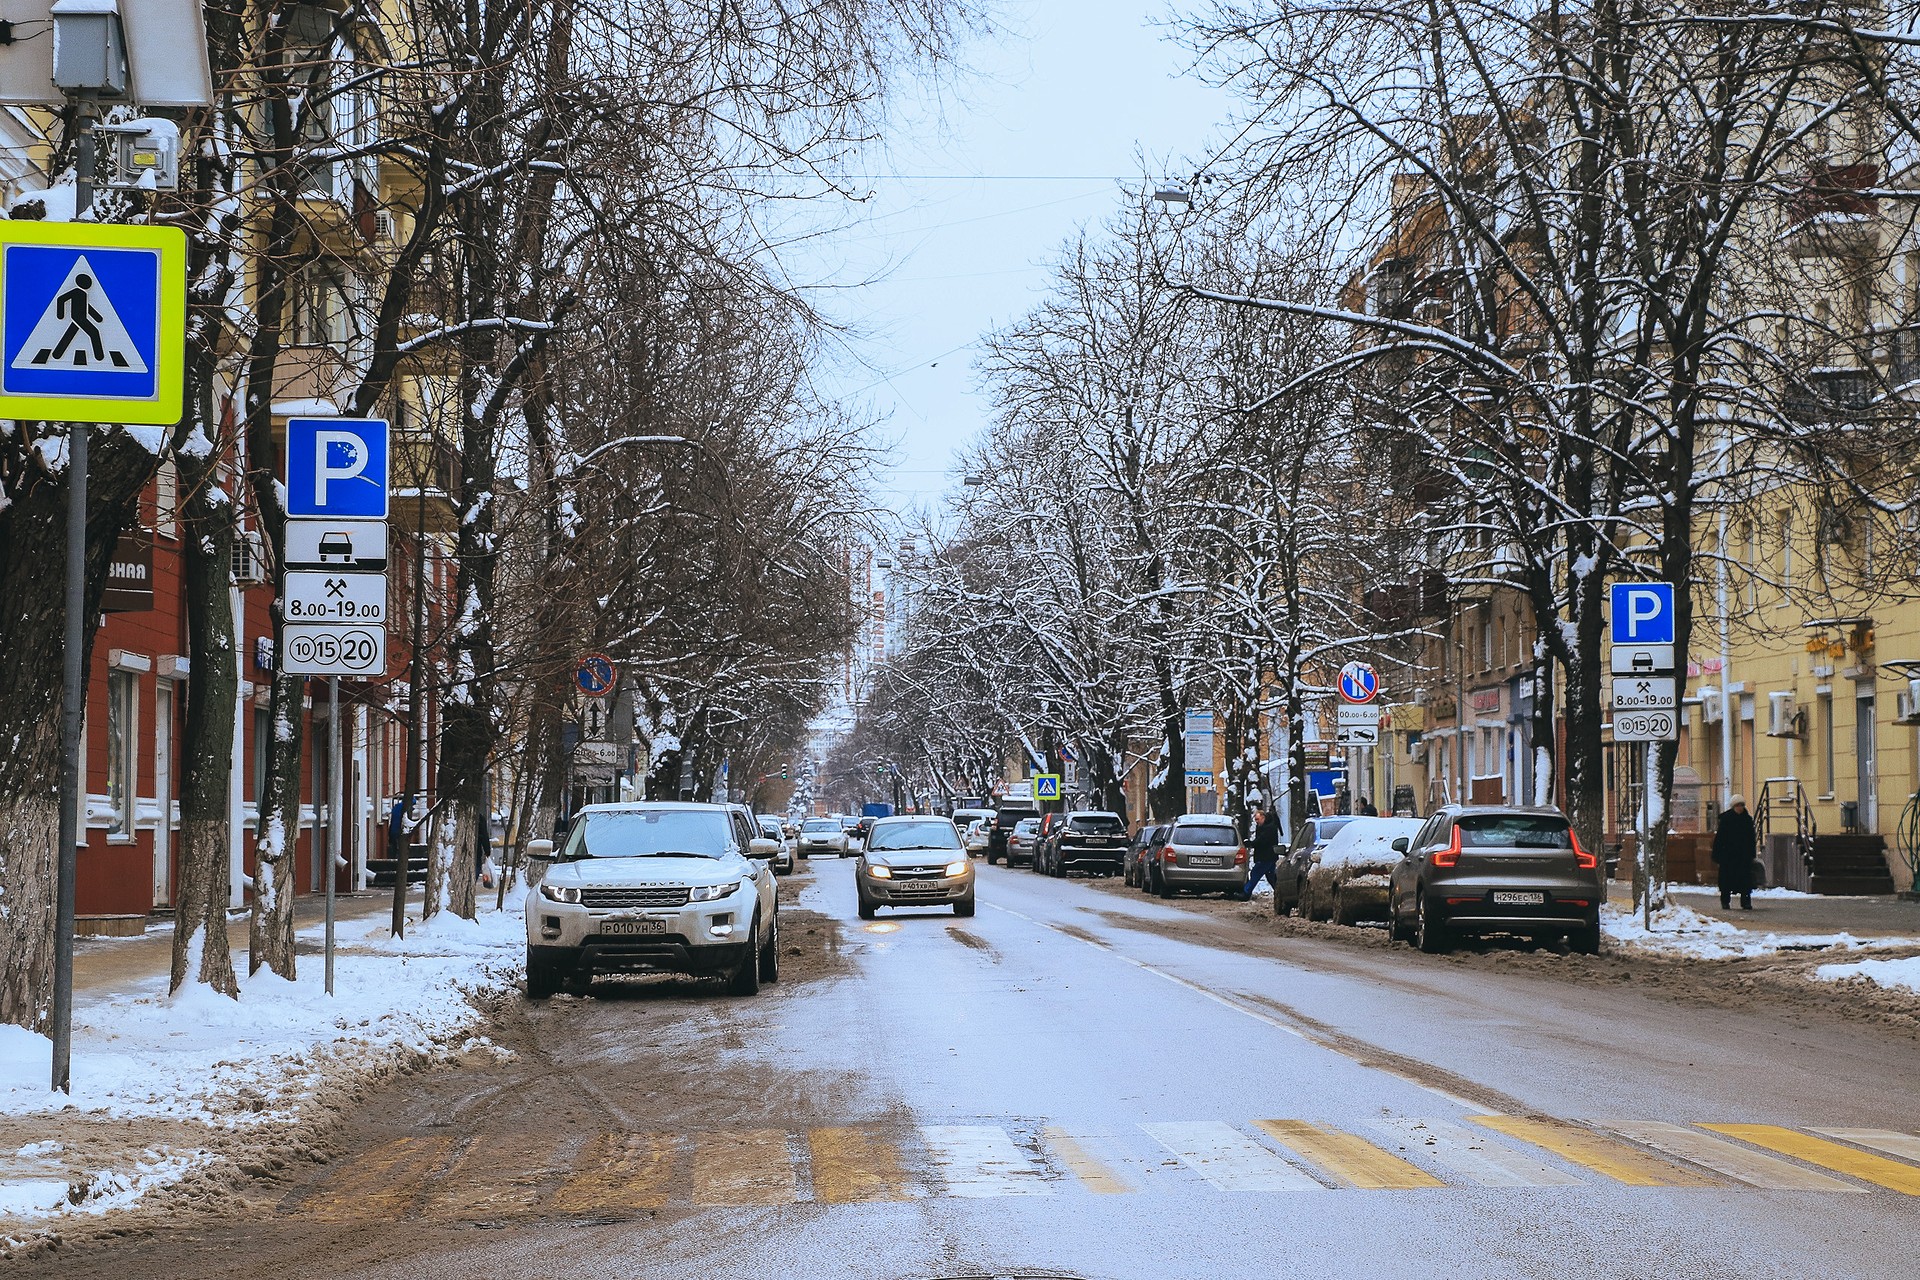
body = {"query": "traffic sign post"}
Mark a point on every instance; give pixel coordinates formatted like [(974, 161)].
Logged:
[(595, 675), (1358, 683)]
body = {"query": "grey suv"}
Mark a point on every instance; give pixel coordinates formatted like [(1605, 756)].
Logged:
[(1202, 853), (1495, 869)]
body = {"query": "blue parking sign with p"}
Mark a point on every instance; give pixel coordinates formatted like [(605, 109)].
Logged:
[(337, 467), (1642, 612)]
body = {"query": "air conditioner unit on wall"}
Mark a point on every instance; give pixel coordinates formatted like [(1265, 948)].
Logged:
[(1907, 703), (249, 565), (1710, 705), (1783, 716), (383, 227)]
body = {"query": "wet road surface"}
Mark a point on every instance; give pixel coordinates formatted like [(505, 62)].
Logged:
[(1082, 1083)]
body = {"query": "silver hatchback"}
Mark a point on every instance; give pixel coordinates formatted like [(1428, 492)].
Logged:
[(1202, 853)]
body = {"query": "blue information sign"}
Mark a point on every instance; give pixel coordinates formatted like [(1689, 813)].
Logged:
[(1642, 612), (337, 467), (81, 322)]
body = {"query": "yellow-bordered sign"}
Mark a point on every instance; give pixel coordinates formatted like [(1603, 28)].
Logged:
[(1046, 786), (93, 322)]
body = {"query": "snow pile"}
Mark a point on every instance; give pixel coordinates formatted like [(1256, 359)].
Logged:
[(1901, 975), (1368, 842), (1680, 932), (1757, 893)]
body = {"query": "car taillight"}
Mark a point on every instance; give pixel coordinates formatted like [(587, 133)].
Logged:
[(1573, 902), (1240, 856), (1167, 854), (1586, 860), (1449, 856)]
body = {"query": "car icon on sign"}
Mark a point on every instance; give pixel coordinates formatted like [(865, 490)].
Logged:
[(336, 546)]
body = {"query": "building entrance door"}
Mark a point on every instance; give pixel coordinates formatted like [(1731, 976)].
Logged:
[(1866, 758)]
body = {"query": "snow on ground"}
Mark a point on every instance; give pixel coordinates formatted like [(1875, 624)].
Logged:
[(1680, 932), (1710, 891), (264, 1059), (1902, 975)]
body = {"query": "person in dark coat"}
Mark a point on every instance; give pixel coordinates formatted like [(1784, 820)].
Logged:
[(1735, 845), (1266, 851)]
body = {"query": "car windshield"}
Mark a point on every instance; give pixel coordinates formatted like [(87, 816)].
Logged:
[(914, 835), (770, 829), (1026, 826), (648, 833), (820, 826), (1514, 831), (1324, 828), (1096, 824), (1209, 834)]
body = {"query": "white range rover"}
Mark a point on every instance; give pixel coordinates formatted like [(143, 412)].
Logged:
[(654, 887)]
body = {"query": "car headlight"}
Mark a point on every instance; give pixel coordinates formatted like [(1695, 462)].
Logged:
[(879, 872), (958, 868), (560, 893), (714, 892)]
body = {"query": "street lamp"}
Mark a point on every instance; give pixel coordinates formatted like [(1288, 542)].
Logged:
[(1174, 193)]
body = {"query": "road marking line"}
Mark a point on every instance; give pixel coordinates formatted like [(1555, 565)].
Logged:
[(383, 1183), (1229, 1159), (853, 1166), (1479, 1158), (743, 1166), (1606, 1156), (1894, 1175), (1904, 1145), (630, 1171), (1736, 1162), (1094, 1174), (980, 1160), (1346, 1158), (498, 1173)]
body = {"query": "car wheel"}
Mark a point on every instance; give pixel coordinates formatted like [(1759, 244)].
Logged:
[(1586, 941), (1396, 930), (1428, 934), (544, 976), (1342, 915), (964, 907), (745, 980), (866, 909), (1162, 888), (770, 954)]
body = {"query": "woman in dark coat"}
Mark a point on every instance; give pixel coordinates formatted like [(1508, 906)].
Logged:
[(1734, 846)]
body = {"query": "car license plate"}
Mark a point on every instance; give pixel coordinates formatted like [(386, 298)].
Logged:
[(635, 926), (1206, 862), (1519, 899)]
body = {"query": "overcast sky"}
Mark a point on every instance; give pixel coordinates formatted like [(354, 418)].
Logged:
[(977, 194)]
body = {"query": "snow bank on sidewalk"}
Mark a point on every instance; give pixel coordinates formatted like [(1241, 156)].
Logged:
[(1901, 975), (1681, 932)]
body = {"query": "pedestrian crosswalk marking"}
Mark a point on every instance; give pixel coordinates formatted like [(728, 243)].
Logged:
[(745, 1166), (1479, 1158), (1348, 1159), (1583, 1147), (1093, 1173), (624, 1171), (497, 1175), (382, 1184), (1895, 1175), (854, 1166), (1229, 1159), (1737, 1162), (980, 1160), (1904, 1145)]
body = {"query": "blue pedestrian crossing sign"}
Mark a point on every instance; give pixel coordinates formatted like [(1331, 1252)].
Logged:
[(1046, 786), (1642, 612), (92, 322), (337, 468)]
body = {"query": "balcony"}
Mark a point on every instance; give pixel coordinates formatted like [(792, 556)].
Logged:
[(311, 379), (425, 474)]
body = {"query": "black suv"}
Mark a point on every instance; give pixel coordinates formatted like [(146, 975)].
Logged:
[(1003, 824), (1092, 842)]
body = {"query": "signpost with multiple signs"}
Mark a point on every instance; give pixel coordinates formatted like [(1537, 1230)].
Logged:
[(1645, 700)]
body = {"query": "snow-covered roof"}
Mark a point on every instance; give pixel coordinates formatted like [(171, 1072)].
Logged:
[(1367, 841)]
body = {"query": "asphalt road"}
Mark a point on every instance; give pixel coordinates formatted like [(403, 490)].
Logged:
[(1084, 1083)]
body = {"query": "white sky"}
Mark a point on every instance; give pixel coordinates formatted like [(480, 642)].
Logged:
[(1071, 89)]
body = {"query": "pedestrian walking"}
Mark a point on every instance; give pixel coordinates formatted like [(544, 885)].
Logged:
[(1266, 851), (1367, 809), (1735, 844)]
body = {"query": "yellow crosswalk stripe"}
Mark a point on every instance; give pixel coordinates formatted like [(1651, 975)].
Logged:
[(1351, 1160), (497, 1174), (1894, 1175), (852, 1166), (743, 1166), (1888, 1141), (1093, 1172), (1615, 1160), (383, 1184), (1735, 1161), (624, 1171)]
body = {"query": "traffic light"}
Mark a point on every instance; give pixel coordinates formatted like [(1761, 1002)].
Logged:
[(783, 773)]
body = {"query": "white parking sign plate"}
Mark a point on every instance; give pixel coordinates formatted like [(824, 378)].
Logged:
[(1643, 693), (336, 597), (334, 650)]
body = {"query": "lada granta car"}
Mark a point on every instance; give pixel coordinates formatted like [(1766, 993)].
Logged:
[(654, 888)]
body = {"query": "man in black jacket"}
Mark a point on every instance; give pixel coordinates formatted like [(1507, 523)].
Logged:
[(1266, 851), (1735, 845)]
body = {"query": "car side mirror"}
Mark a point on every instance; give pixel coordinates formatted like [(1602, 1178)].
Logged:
[(539, 851), (1401, 845), (762, 848)]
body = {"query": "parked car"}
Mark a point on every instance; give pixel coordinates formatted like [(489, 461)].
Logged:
[(1094, 842), (1202, 853), (654, 887), (1475, 869), (976, 837), (1346, 880), (1022, 841), (823, 835), (965, 816), (770, 828), (913, 861), (1309, 838), (860, 829), (1004, 821), (1141, 851), (1050, 824)]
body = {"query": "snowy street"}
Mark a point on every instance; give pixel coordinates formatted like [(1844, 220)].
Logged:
[(1083, 1082)]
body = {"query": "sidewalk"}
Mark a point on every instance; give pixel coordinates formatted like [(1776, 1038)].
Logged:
[(1876, 917)]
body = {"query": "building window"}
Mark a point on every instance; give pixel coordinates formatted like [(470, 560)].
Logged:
[(122, 742), (166, 500), (1486, 641), (321, 304), (1826, 744), (260, 730), (1786, 557)]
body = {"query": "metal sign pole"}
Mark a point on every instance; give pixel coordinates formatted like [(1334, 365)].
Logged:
[(334, 799)]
